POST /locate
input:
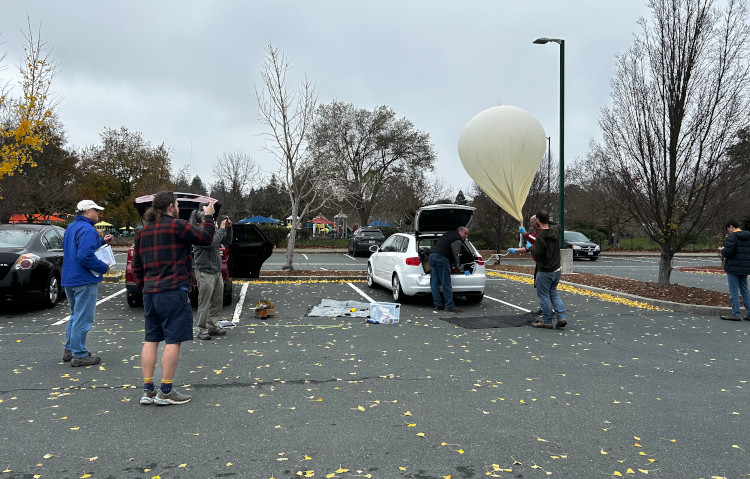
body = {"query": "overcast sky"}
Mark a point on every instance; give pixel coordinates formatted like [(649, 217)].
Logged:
[(183, 72)]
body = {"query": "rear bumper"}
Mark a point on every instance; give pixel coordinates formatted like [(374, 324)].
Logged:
[(420, 284)]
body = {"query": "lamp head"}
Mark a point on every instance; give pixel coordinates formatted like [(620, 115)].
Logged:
[(543, 40)]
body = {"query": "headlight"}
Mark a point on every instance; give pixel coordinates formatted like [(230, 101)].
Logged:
[(575, 246), (597, 248), (27, 261)]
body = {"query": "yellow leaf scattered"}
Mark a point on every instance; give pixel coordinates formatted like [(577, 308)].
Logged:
[(92, 459), (407, 413), (401, 468), (85, 476), (411, 425), (420, 434), (341, 470), (307, 458), (541, 440), (617, 473), (47, 456), (360, 408), (182, 465), (645, 471), (630, 471), (636, 438), (229, 464), (460, 451), (75, 428), (603, 451), (637, 445)]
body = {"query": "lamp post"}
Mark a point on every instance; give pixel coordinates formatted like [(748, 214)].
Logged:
[(561, 42), (549, 167)]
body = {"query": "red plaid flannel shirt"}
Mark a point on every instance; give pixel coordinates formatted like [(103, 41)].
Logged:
[(163, 258)]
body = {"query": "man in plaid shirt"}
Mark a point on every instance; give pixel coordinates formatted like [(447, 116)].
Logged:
[(163, 270)]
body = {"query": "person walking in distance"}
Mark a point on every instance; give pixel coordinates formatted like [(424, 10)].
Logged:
[(444, 254), (736, 253), (546, 253), (208, 278), (82, 272), (163, 269)]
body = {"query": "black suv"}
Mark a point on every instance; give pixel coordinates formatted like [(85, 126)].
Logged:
[(363, 238), (582, 246), (242, 258)]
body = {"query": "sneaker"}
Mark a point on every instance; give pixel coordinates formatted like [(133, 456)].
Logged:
[(148, 397), (455, 309), (541, 324), (561, 323), (439, 308), (67, 355), (203, 335), (217, 332), (85, 361), (173, 397), (731, 317)]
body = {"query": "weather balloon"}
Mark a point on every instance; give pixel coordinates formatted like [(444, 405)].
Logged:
[(501, 149)]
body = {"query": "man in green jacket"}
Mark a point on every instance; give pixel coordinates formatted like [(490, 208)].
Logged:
[(546, 252)]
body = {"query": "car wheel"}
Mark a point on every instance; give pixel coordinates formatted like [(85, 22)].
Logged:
[(475, 298), (370, 279), (52, 292), (594, 258), (134, 300), (398, 293)]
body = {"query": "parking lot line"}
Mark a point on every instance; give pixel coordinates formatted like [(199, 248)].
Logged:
[(507, 304), (66, 318), (240, 303), (361, 293)]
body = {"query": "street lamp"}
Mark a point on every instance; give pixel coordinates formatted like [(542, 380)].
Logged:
[(561, 42)]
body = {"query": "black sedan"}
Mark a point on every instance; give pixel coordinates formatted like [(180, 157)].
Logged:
[(582, 246), (31, 258)]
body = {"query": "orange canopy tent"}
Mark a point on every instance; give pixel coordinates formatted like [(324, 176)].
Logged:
[(36, 218)]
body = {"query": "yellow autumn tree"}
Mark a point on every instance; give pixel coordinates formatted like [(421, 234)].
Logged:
[(27, 120)]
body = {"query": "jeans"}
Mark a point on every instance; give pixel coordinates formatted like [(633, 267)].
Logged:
[(440, 275), (737, 286), (546, 291), (82, 301), (210, 300)]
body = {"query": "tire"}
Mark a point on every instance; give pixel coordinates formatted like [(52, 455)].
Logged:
[(594, 258), (398, 293), (370, 279), (52, 291), (135, 299), (475, 298)]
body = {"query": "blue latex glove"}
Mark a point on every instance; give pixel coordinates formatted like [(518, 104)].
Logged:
[(467, 273), (521, 229), (512, 250), (528, 245)]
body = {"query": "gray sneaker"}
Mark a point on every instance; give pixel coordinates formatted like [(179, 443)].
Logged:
[(85, 361), (67, 355), (174, 397), (148, 397)]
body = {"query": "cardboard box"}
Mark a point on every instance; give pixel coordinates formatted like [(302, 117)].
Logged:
[(384, 313), (264, 309)]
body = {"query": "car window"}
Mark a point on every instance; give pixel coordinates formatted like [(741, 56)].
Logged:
[(372, 234), (15, 237), (388, 244), (403, 244), (52, 240), (245, 235), (576, 236)]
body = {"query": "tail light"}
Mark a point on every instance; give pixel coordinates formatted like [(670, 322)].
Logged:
[(131, 252), (27, 261), (224, 253), (414, 261), (480, 261)]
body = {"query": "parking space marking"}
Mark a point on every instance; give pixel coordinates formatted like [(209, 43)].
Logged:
[(507, 304), (240, 303), (361, 292), (350, 257), (67, 318), (306, 258)]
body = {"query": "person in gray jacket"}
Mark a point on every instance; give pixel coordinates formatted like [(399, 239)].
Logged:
[(210, 284)]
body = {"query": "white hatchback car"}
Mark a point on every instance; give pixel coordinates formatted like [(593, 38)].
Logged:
[(402, 262)]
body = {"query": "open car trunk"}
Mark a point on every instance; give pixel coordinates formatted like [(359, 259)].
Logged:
[(467, 258)]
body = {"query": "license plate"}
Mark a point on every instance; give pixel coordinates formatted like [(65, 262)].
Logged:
[(371, 241), (591, 253)]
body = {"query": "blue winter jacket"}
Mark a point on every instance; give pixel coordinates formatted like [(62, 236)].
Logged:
[(79, 243), (737, 253)]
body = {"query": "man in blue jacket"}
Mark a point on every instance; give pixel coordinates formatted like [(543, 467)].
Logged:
[(736, 253), (82, 272)]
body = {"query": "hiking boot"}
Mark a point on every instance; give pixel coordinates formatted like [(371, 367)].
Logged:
[(731, 317), (561, 323), (203, 335), (173, 397), (217, 332), (454, 309), (439, 308), (541, 324), (538, 312), (148, 397), (67, 355), (85, 361)]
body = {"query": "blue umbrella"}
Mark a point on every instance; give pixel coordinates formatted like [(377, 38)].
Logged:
[(259, 219), (379, 224)]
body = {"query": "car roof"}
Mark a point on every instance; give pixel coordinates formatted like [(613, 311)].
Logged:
[(28, 226), (437, 219)]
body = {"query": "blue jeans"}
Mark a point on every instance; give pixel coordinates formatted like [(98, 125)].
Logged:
[(440, 275), (737, 286), (546, 291), (82, 301)]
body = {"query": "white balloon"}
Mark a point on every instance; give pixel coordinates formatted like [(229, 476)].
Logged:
[(501, 149)]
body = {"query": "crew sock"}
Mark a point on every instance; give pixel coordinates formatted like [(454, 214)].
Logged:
[(148, 384), (166, 386)]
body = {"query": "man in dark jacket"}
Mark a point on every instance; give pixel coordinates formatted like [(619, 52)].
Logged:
[(546, 252), (736, 253), (81, 275), (444, 254), (209, 281)]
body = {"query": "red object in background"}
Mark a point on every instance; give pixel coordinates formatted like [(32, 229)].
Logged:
[(36, 218)]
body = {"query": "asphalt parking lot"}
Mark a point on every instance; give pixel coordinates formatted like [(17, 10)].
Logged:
[(622, 391)]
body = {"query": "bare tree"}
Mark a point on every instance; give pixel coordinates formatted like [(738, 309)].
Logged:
[(406, 194), (680, 94), (289, 118), (239, 174)]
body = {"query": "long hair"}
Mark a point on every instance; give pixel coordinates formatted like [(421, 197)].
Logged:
[(159, 206)]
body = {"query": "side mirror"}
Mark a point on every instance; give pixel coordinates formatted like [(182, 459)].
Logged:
[(374, 248)]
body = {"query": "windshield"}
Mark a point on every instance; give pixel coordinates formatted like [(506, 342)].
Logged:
[(576, 237), (15, 238), (373, 234)]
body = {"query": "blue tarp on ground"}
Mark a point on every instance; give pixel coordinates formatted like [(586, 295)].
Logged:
[(259, 219)]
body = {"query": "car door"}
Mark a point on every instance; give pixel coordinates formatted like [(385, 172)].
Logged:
[(248, 250), (381, 261), (53, 243)]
